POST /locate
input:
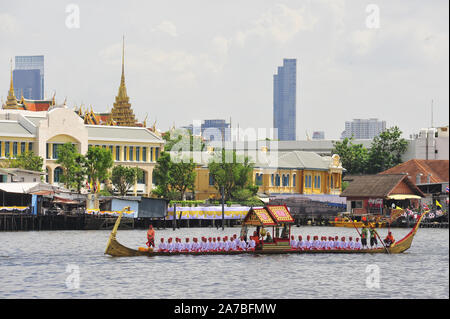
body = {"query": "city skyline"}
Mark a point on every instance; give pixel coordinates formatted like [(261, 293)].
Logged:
[(178, 70)]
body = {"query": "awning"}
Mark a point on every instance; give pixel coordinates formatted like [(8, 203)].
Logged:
[(19, 188), (404, 196)]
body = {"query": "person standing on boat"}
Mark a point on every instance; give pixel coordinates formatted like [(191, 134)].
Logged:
[(364, 237), (373, 238), (151, 236)]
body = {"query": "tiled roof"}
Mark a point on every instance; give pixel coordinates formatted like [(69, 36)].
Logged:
[(438, 169), (118, 133), (377, 186)]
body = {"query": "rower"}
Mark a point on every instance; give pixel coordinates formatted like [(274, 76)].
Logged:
[(170, 246), (214, 244), (162, 245), (351, 243), (243, 244), (300, 243), (226, 244), (389, 240), (195, 245), (308, 242), (343, 243), (251, 245), (337, 243), (233, 244), (357, 244), (151, 236), (293, 242), (219, 244), (187, 245)]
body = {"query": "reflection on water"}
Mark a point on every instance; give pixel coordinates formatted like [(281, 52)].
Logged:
[(34, 264)]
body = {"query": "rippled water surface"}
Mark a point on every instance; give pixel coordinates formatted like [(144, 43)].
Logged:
[(39, 265)]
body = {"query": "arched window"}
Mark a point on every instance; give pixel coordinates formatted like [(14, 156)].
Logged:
[(57, 174), (294, 177)]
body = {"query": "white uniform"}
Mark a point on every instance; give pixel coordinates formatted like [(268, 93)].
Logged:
[(357, 245), (162, 246), (351, 244), (233, 245), (251, 244), (293, 243), (226, 245), (171, 247), (219, 245), (195, 246), (301, 244), (243, 245)]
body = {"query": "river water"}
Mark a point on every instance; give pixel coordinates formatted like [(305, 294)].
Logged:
[(71, 264)]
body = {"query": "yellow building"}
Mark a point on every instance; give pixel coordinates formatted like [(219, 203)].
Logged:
[(295, 172)]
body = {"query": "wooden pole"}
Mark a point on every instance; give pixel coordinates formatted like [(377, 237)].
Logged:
[(376, 233), (223, 207)]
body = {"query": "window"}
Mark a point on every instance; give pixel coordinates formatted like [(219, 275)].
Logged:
[(6, 149), (47, 155), (277, 180), (156, 153), (144, 154), (1, 145), (55, 151), (15, 149), (57, 174), (30, 147), (141, 179), (117, 153), (258, 179), (294, 177), (331, 182), (138, 153), (151, 154), (211, 180), (357, 204), (124, 153), (318, 181), (131, 158), (288, 182), (272, 180), (22, 147)]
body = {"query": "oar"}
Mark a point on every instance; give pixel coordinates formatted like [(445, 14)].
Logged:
[(387, 250), (356, 228)]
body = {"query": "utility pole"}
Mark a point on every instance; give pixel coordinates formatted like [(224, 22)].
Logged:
[(223, 207)]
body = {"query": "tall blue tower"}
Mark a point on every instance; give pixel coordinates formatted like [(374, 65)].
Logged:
[(284, 100)]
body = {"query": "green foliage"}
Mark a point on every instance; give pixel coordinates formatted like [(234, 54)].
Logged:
[(27, 161), (173, 178), (232, 173), (386, 150), (73, 164), (354, 157), (98, 163), (123, 178)]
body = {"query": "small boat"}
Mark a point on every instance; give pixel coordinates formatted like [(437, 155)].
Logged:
[(262, 216), (347, 222)]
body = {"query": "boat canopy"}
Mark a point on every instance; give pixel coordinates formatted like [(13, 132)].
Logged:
[(280, 214), (258, 217), (270, 215)]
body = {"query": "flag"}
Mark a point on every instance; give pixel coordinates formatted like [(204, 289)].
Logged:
[(425, 206), (396, 207), (446, 189), (438, 204)]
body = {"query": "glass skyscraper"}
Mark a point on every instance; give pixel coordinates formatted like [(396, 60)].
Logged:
[(29, 77), (284, 100)]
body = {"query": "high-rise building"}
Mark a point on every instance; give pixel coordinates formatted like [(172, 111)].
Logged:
[(284, 100), (216, 130), (29, 77), (318, 135), (363, 128)]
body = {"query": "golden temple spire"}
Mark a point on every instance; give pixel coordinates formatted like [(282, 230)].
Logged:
[(11, 101), (122, 114)]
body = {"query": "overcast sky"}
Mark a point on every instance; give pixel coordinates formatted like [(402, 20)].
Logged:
[(189, 59)]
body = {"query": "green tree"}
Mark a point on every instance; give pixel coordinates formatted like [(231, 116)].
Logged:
[(173, 178), (354, 157), (231, 172), (124, 177), (28, 161), (386, 150), (98, 163), (73, 165)]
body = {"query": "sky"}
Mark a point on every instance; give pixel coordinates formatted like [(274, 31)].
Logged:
[(191, 60)]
